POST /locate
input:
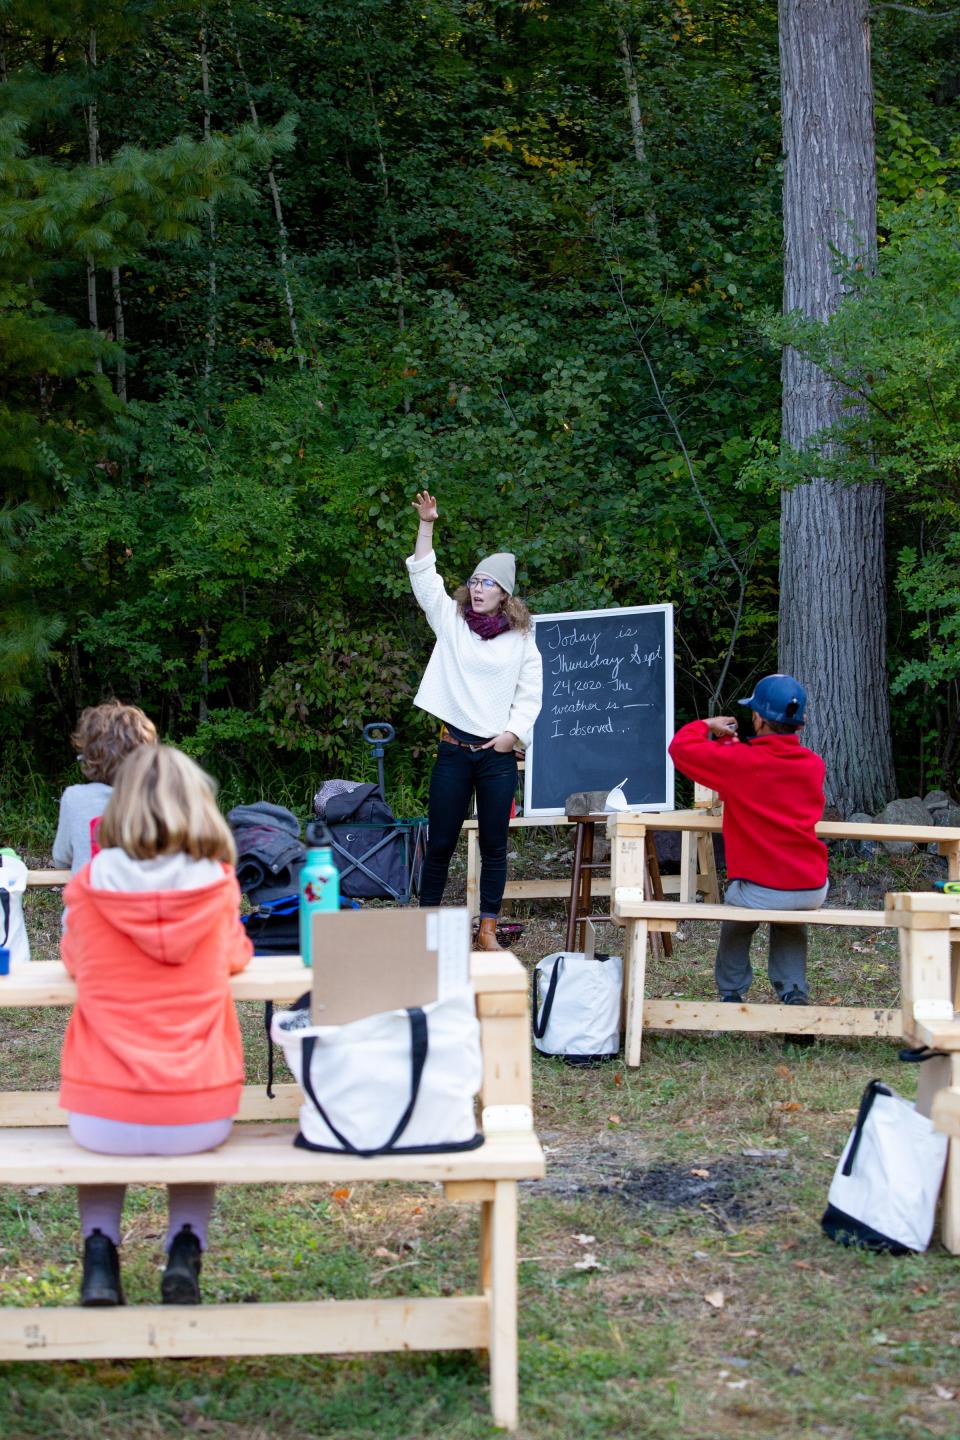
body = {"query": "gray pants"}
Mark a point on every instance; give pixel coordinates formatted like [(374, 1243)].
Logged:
[(787, 964)]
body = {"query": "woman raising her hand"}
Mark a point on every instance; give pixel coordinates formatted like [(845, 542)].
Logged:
[(484, 681)]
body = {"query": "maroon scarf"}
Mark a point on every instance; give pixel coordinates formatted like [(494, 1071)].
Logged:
[(488, 627)]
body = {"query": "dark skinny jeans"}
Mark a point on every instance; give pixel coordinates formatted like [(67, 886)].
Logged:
[(456, 774)]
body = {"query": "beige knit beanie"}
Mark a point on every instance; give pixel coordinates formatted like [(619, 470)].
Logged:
[(501, 567)]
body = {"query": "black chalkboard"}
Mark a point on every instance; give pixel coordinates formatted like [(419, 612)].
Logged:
[(607, 707)]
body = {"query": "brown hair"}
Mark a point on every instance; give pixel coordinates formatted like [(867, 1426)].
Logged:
[(518, 616), (162, 804), (106, 733)]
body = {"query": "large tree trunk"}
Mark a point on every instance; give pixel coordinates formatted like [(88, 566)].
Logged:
[(832, 586), (636, 127), (211, 345), (93, 149), (277, 205)]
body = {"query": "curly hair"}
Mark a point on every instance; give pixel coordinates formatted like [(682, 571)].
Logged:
[(106, 733), (518, 616)]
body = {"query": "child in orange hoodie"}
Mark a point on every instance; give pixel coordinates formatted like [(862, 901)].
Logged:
[(152, 1060)]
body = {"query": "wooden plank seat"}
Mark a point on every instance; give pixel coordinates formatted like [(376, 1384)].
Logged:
[(256, 1155), (668, 914), (36, 1149)]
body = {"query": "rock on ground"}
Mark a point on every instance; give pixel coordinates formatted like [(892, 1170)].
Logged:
[(911, 811)]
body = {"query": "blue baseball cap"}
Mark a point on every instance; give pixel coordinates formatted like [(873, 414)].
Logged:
[(780, 698)]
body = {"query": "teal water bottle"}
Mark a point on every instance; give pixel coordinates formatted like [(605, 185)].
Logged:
[(319, 887)]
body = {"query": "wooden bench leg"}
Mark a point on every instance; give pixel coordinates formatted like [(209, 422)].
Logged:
[(708, 868), (473, 874), (503, 1305), (936, 1075), (688, 868), (635, 961), (486, 1241)]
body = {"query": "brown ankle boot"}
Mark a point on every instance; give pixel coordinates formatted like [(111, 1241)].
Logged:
[(487, 934)]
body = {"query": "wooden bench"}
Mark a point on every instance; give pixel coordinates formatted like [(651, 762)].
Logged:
[(642, 917), (703, 824), (35, 1149)]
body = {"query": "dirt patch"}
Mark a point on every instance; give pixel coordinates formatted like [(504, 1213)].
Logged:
[(727, 1189)]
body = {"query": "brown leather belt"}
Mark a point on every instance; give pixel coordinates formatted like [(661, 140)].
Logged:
[(448, 739)]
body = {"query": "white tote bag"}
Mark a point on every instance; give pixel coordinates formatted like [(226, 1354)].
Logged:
[(885, 1188), (13, 931), (398, 1082), (576, 1005)]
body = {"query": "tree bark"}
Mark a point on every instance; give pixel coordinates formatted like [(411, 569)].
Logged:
[(636, 127), (211, 345), (277, 206), (832, 581), (119, 332), (93, 147), (387, 206)]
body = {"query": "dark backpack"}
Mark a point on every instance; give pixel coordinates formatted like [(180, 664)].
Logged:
[(369, 848)]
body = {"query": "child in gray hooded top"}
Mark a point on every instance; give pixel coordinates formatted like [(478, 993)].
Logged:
[(105, 734)]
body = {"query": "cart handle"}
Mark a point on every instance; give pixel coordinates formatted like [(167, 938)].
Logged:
[(378, 740)]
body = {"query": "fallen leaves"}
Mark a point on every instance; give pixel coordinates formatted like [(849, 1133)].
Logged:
[(701, 1174), (716, 1299)]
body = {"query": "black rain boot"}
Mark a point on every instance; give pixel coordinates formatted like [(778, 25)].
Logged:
[(181, 1279), (101, 1272)]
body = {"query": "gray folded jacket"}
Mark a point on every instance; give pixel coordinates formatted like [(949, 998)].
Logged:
[(270, 853)]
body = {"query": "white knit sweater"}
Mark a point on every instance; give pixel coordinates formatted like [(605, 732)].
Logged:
[(481, 686)]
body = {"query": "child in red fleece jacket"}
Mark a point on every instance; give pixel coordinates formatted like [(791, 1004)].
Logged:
[(772, 793)]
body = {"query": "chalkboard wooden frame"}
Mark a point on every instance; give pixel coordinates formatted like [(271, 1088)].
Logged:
[(552, 675)]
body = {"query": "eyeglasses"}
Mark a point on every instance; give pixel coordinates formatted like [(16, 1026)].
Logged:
[(482, 581)]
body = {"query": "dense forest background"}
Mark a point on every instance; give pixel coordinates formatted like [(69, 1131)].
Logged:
[(267, 269)]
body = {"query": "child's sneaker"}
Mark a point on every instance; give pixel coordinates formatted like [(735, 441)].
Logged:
[(101, 1272), (181, 1279)]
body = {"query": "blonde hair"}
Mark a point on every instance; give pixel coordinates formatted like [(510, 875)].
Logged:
[(162, 804), (518, 616), (106, 733)]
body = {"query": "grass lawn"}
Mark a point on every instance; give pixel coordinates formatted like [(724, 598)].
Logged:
[(674, 1281)]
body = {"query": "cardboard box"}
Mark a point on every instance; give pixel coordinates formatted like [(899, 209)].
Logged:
[(365, 961)]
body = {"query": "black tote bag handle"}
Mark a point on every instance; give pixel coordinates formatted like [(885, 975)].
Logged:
[(418, 1058), (875, 1088), (541, 1021)]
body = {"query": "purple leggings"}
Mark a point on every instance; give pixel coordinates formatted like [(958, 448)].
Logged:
[(101, 1206)]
